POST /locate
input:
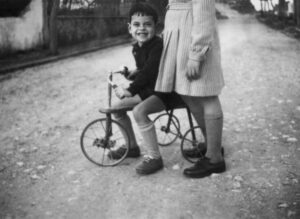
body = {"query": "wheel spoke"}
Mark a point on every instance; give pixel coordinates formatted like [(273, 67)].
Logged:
[(103, 126), (166, 137), (93, 138), (103, 156)]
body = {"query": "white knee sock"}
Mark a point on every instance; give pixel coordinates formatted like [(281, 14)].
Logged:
[(150, 139)]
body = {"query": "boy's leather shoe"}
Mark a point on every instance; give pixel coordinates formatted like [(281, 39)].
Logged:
[(204, 168), (149, 165), (117, 154), (197, 152)]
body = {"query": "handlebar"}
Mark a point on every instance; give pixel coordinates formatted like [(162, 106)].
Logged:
[(124, 71), (114, 85)]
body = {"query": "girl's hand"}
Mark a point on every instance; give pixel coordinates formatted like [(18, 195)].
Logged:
[(193, 71)]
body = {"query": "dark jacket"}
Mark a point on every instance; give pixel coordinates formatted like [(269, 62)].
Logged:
[(147, 58)]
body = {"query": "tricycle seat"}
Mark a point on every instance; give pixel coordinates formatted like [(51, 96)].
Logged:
[(114, 109)]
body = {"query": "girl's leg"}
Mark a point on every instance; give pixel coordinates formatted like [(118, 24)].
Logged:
[(153, 104), (213, 115), (124, 119), (213, 118)]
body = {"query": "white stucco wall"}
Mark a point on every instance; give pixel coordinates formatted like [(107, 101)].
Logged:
[(22, 33)]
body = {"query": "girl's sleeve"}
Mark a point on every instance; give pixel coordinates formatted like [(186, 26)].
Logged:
[(204, 21)]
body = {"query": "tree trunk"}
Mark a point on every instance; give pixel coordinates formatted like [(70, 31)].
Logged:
[(53, 27), (45, 24), (281, 8), (297, 12), (70, 4)]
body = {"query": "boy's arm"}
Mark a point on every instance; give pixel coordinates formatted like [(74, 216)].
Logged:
[(132, 74), (149, 72)]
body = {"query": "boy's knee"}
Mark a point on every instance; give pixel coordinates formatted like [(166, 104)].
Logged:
[(136, 113), (139, 114)]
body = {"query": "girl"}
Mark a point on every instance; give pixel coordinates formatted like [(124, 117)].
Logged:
[(190, 71)]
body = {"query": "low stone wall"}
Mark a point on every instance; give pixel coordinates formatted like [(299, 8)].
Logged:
[(242, 6), (78, 29)]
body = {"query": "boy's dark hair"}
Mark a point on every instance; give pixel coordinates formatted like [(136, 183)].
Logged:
[(143, 9)]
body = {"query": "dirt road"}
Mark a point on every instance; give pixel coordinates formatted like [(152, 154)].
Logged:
[(44, 109)]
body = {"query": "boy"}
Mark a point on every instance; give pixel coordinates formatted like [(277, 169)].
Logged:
[(147, 52)]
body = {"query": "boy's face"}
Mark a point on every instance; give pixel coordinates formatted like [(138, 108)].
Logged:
[(141, 28)]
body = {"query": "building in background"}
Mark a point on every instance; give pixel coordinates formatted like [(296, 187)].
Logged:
[(21, 25)]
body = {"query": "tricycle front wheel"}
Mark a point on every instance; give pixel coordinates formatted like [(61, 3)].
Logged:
[(102, 136)]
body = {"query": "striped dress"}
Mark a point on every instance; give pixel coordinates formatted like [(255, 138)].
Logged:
[(190, 33)]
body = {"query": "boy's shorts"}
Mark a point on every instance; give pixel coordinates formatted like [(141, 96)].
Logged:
[(171, 100)]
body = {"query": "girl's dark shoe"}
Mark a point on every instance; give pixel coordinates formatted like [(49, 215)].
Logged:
[(198, 152), (204, 168), (133, 152)]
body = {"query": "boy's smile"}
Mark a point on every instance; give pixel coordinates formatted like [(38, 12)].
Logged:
[(141, 28)]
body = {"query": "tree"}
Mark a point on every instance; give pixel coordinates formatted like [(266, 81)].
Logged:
[(50, 8), (45, 24), (297, 11), (281, 8), (53, 27), (160, 5), (66, 4)]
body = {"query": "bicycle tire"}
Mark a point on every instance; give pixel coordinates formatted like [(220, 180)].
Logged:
[(166, 135), (96, 147), (189, 143)]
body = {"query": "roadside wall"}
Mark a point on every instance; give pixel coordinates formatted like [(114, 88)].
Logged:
[(74, 30), (24, 32)]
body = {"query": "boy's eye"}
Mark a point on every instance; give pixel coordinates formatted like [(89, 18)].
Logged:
[(145, 24)]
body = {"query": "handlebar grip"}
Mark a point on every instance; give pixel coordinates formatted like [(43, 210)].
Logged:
[(123, 71)]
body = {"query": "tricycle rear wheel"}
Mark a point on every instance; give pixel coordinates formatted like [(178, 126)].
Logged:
[(167, 129)]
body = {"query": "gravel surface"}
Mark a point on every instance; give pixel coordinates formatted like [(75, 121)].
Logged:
[(43, 173)]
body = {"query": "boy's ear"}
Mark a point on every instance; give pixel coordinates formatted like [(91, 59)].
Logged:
[(129, 27)]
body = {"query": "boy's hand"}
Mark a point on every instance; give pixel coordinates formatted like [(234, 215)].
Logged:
[(121, 92), (193, 71), (127, 93)]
